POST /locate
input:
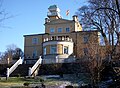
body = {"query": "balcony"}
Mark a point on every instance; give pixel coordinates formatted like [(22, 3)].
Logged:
[(58, 45), (58, 39), (51, 41)]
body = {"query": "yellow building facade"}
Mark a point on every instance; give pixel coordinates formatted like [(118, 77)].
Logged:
[(63, 40)]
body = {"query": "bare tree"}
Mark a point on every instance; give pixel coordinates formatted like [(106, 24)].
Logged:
[(18, 53), (4, 15), (104, 16), (12, 53)]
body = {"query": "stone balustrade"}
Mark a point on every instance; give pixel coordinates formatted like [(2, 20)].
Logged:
[(58, 39)]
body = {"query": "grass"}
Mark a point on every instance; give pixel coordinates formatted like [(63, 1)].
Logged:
[(12, 80), (18, 82)]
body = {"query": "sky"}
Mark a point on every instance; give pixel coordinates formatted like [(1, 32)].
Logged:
[(28, 17)]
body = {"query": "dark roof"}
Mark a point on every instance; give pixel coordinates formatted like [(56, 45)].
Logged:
[(34, 34), (85, 31)]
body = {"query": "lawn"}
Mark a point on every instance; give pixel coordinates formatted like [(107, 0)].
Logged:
[(16, 81), (20, 82)]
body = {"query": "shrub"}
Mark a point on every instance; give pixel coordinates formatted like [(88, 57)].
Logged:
[(18, 75), (26, 84), (41, 80)]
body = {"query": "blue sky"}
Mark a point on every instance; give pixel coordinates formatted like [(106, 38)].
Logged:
[(28, 18)]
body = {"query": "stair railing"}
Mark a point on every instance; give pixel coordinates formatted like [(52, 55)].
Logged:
[(35, 66), (10, 70)]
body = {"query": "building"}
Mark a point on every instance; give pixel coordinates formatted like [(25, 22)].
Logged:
[(63, 40)]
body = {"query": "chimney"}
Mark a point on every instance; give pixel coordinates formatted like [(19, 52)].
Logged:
[(75, 18), (46, 20)]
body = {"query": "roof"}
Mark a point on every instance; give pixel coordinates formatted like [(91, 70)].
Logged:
[(57, 21), (34, 34), (85, 31), (52, 7)]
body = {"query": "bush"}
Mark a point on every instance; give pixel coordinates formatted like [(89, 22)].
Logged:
[(26, 84), (41, 80), (18, 75)]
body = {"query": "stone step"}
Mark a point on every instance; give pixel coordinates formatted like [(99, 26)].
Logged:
[(22, 70)]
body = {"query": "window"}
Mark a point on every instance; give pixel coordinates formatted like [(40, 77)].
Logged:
[(67, 29), (52, 30), (53, 50), (65, 50), (85, 51), (44, 52), (85, 39), (59, 30), (34, 53), (35, 40)]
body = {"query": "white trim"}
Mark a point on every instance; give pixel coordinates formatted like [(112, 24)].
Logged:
[(57, 42)]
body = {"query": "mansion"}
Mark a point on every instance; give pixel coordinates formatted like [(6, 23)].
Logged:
[(63, 41)]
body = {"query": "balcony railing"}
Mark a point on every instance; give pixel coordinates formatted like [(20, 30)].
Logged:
[(58, 39), (58, 60)]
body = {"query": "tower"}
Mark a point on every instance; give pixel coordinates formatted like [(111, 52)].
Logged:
[(53, 12)]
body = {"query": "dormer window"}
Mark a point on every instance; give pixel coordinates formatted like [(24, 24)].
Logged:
[(52, 30)]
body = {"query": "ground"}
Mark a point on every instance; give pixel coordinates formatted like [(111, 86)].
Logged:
[(49, 82)]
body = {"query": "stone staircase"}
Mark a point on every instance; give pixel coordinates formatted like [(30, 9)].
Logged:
[(21, 71)]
